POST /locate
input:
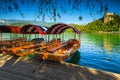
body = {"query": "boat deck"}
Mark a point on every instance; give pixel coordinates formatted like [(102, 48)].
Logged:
[(58, 51)]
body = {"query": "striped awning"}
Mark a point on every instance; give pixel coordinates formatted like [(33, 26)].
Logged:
[(33, 29), (60, 28), (10, 29)]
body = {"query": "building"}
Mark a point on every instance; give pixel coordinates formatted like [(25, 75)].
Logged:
[(108, 16)]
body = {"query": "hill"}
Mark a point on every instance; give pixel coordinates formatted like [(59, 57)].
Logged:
[(95, 26), (100, 26), (24, 22)]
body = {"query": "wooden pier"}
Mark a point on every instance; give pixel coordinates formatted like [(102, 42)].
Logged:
[(25, 68)]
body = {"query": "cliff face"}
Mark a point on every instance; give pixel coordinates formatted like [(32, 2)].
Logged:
[(108, 16)]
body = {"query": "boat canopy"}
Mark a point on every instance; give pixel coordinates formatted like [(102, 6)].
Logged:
[(15, 29), (9, 29), (60, 28), (33, 29)]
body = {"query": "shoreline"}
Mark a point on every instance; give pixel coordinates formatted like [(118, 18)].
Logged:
[(109, 32), (24, 68), (102, 32)]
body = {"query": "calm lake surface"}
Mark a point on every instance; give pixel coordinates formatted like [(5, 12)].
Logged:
[(100, 51)]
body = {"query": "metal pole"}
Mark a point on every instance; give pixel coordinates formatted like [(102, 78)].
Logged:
[(42, 36), (59, 35), (0, 36), (45, 37), (79, 36), (74, 35), (22, 35), (56, 36), (29, 37), (62, 36), (38, 35), (17, 35), (11, 36), (48, 37), (35, 35), (53, 36)]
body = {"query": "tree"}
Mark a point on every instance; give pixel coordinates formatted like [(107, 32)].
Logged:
[(117, 19), (54, 8)]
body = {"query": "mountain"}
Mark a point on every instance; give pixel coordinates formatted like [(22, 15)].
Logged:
[(8, 22), (111, 25), (16, 22)]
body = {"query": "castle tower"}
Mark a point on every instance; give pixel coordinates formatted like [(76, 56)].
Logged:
[(108, 16)]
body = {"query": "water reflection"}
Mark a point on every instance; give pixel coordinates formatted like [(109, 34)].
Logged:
[(75, 58), (107, 46), (101, 51), (107, 41)]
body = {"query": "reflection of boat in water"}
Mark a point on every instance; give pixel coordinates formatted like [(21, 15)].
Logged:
[(58, 51), (75, 58)]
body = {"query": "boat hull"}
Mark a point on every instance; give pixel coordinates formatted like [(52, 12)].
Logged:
[(61, 54), (52, 57)]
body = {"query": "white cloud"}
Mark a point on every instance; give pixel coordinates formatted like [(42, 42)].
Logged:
[(2, 21)]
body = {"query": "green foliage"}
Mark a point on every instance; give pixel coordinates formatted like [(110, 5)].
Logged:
[(100, 26), (20, 23), (79, 27)]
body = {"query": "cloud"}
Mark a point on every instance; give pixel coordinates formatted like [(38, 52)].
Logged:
[(2, 21)]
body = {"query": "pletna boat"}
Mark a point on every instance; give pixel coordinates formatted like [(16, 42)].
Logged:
[(58, 51)]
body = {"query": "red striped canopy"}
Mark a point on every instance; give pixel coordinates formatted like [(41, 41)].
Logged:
[(15, 29), (60, 28), (10, 29), (33, 29)]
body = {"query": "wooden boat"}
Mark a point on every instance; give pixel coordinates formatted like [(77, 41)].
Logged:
[(25, 48), (58, 51), (17, 51)]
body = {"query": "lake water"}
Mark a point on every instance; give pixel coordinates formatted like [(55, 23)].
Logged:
[(99, 51)]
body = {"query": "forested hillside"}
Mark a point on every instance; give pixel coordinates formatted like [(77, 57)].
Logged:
[(100, 26)]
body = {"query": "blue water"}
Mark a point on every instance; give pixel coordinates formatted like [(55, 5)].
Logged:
[(100, 51)]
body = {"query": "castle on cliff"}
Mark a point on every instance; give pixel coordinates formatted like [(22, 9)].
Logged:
[(108, 16)]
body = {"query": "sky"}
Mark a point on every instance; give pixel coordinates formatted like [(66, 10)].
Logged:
[(29, 13)]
